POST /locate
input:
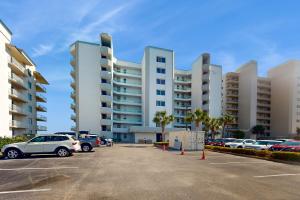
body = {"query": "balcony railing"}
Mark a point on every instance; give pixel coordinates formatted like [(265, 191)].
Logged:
[(40, 98), (18, 124), (127, 111), (134, 93), (17, 65), (41, 128), (41, 118), (127, 102), (17, 109), (16, 94), (40, 88), (41, 108), (127, 121), (134, 84), (119, 72), (17, 80)]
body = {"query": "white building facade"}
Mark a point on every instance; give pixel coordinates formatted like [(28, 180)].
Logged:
[(21, 98), (110, 96)]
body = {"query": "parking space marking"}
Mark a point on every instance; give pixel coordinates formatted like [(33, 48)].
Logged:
[(37, 168), (228, 163), (23, 191), (276, 175)]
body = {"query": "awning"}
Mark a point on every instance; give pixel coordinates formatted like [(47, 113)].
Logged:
[(40, 78), (19, 54)]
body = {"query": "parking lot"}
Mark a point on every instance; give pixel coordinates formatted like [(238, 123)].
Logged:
[(128, 171)]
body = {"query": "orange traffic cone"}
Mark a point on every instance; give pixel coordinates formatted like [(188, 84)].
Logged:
[(182, 151), (203, 156)]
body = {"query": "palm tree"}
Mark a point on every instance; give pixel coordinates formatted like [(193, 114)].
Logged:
[(214, 124), (197, 117), (225, 120), (162, 119)]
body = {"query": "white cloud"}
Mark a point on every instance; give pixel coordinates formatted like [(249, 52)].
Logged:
[(42, 49)]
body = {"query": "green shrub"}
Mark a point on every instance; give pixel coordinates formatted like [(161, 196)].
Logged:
[(292, 156), (160, 143), (263, 153), (6, 140)]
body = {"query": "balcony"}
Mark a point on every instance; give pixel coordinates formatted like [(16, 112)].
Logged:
[(17, 110), (232, 108), (105, 74), (106, 62), (127, 102), (182, 107), (179, 115), (40, 88), (205, 97), (41, 108), (73, 106), (205, 107), (106, 51), (128, 111), (131, 84), (17, 81), (128, 74), (41, 118), (263, 97), (73, 63), (205, 77), (41, 128), (72, 73), (17, 67), (263, 91), (205, 87), (183, 81), (40, 98), (106, 110), (183, 98), (179, 124), (73, 95), (232, 86), (180, 89), (128, 93), (73, 117), (14, 124), (232, 101), (17, 96), (127, 121), (73, 85), (232, 94), (120, 130), (107, 122), (106, 98), (105, 86)]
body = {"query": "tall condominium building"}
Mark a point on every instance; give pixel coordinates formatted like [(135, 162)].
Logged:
[(285, 98), (114, 98), (247, 97), (21, 88)]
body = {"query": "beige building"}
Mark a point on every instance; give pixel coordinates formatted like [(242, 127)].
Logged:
[(21, 91), (247, 97), (285, 96)]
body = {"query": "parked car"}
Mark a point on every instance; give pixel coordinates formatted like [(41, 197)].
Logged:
[(209, 141), (262, 144), (61, 145), (88, 142), (291, 145), (221, 142), (239, 143), (109, 142)]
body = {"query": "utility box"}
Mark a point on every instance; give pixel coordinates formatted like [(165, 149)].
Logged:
[(188, 140)]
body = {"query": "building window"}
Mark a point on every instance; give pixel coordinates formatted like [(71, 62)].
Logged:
[(160, 70), (103, 92), (30, 109), (30, 97), (160, 92), (29, 85), (160, 59), (104, 104), (103, 80), (160, 103), (30, 121), (160, 81)]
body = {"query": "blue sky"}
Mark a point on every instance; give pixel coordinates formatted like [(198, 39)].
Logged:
[(233, 31)]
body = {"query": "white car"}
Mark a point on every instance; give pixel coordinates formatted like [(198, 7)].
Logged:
[(239, 143), (262, 144), (61, 145)]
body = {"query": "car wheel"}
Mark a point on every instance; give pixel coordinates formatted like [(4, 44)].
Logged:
[(13, 153), (62, 152), (27, 155), (240, 147), (86, 147)]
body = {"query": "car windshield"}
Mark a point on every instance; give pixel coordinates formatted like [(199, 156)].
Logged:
[(228, 140), (291, 143), (219, 140), (261, 143), (238, 141)]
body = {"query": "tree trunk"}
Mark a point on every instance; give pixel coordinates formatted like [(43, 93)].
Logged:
[(163, 133), (223, 130)]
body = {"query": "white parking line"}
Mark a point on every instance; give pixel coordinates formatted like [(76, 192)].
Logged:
[(276, 175), (23, 191), (228, 163), (37, 168)]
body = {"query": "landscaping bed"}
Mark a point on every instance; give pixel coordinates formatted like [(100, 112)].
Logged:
[(270, 155)]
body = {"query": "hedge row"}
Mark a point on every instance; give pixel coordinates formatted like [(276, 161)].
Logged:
[(6, 140), (290, 156)]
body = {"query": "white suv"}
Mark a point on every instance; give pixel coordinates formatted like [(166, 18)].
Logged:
[(61, 145), (239, 143)]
